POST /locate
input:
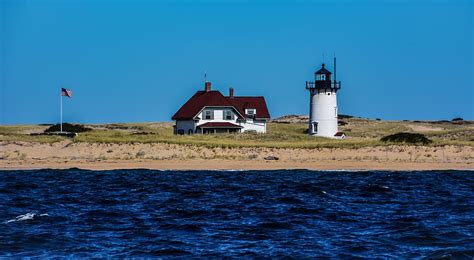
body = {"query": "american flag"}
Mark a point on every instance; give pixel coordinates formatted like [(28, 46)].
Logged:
[(66, 92)]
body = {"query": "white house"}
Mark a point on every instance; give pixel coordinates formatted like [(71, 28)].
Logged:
[(208, 111)]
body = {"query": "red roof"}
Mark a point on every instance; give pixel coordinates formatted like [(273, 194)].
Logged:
[(197, 102), (214, 98), (219, 125), (242, 103)]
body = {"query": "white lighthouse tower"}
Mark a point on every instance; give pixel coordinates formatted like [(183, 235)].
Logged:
[(323, 103)]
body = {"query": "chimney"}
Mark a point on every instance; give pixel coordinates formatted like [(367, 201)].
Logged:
[(231, 92), (207, 86)]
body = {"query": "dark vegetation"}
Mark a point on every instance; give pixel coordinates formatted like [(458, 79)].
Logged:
[(68, 128), (344, 116), (143, 133), (441, 122), (271, 158), (65, 134), (410, 138)]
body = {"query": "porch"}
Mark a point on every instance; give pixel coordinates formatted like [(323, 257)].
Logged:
[(218, 127)]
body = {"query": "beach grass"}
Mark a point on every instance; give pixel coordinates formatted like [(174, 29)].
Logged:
[(361, 132), (21, 133)]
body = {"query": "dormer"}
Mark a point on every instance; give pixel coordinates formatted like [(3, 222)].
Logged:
[(250, 112)]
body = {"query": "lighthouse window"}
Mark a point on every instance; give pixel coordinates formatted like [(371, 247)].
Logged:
[(329, 93), (320, 77)]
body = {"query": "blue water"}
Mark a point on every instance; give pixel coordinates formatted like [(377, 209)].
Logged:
[(294, 213)]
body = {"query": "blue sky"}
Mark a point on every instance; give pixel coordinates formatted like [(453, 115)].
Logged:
[(133, 61)]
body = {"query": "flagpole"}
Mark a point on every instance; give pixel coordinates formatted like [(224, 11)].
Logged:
[(61, 96)]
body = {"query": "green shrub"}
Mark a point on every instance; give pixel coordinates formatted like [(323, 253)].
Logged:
[(344, 116), (67, 128), (410, 138)]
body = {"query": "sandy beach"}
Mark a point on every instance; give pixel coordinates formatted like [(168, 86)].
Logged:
[(101, 156)]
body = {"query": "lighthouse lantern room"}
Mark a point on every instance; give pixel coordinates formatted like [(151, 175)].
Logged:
[(323, 103)]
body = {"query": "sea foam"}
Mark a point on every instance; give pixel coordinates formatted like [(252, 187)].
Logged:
[(27, 216)]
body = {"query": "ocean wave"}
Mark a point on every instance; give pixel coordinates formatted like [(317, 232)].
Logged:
[(27, 216)]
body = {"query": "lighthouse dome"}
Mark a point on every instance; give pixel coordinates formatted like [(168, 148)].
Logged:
[(322, 74), (323, 70)]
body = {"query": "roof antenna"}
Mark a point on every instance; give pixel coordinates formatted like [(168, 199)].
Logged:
[(205, 76)]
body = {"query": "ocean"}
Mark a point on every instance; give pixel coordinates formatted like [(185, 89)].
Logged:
[(286, 213)]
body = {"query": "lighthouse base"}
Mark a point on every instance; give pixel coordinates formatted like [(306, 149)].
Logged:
[(326, 136), (323, 128)]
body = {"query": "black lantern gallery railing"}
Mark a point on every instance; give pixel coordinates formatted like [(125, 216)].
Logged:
[(323, 85)]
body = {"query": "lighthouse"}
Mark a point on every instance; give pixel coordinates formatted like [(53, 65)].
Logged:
[(323, 103)]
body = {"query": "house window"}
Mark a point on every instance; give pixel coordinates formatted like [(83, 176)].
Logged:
[(228, 115), (181, 132), (208, 114), (250, 112), (190, 131)]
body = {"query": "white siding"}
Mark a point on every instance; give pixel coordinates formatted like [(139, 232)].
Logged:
[(218, 116), (260, 126)]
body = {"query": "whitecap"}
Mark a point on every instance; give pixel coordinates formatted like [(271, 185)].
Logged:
[(27, 216)]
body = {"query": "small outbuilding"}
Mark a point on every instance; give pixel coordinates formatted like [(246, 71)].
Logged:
[(340, 135)]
